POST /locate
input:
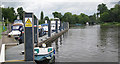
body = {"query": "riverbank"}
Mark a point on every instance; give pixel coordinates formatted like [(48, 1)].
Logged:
[(110, 24), (74, 26), (2, 29)]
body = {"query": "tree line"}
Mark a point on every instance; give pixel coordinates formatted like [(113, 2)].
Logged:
[(103, 15), (109, 15), (11, 15), (69, 17)]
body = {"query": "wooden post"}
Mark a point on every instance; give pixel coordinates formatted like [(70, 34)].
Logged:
[(35, 30), (49, 28), (56, 27)]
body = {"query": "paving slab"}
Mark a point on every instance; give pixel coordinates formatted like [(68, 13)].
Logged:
[(14, 53)]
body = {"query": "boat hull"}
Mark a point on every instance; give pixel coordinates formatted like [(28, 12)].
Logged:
[(43, 57)]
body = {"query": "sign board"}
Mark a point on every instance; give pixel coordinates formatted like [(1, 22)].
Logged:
[(28, 22)]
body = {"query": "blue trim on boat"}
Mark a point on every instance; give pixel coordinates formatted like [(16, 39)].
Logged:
[(42, 57), (44, 24)]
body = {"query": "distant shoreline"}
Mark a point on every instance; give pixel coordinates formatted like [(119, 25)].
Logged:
[(110, 24)]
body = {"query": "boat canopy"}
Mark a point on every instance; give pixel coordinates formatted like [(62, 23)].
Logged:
[(44, 24), (18, 21)]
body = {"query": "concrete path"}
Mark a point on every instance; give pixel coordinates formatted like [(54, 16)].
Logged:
[(14, 53)]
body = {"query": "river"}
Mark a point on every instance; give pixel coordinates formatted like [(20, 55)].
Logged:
[(88, 44)]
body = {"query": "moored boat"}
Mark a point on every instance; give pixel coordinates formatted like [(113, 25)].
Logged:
[(45, 53), (17, 28)]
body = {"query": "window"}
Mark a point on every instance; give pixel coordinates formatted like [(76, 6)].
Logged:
[(37, 50), (16, 27)]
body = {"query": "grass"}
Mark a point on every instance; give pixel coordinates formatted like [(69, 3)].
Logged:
[(1, 29), (111, 24)]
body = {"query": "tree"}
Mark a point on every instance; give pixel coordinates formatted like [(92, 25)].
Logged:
[(9, 13), (83, 18), (57, 15), (115, 13), (92, 19), (75, 19), (105, 17), (47, 18), (102, 8), (20, 12), (112, 15), (42, 15), (67, 17), (41, 21)]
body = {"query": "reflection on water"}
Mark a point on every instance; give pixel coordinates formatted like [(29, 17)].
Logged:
[(56, 43), (60, 40), (88, 44)]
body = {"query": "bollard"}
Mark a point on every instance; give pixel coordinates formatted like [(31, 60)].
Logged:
[(29, 36), (56, 27), (49, 28), (35, 30)]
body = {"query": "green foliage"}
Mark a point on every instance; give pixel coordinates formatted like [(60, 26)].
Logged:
[(67, 17), (102, 8), (112, 15), (115, 13), (42, 19), (0, 13), (105, 17), (73, 19), (20, 12), (41, 22), (8, 13), (92, 19), (42, 15), (47, 18), (83, 18), (111, 24), (1, 29), (57, 15)]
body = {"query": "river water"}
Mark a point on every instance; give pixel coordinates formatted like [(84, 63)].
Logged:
[(88, 44)]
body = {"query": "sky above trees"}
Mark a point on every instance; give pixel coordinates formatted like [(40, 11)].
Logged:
[(88, 7)]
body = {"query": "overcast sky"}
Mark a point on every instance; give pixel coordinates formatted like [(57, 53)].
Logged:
[(88, 7)]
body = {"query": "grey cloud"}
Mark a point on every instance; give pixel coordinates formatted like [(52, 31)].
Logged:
[(49, 7), (12, 4)]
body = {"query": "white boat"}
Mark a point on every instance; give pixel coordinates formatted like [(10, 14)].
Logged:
[(45, 27), (53, 24), (17, 28), (45, 53)]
